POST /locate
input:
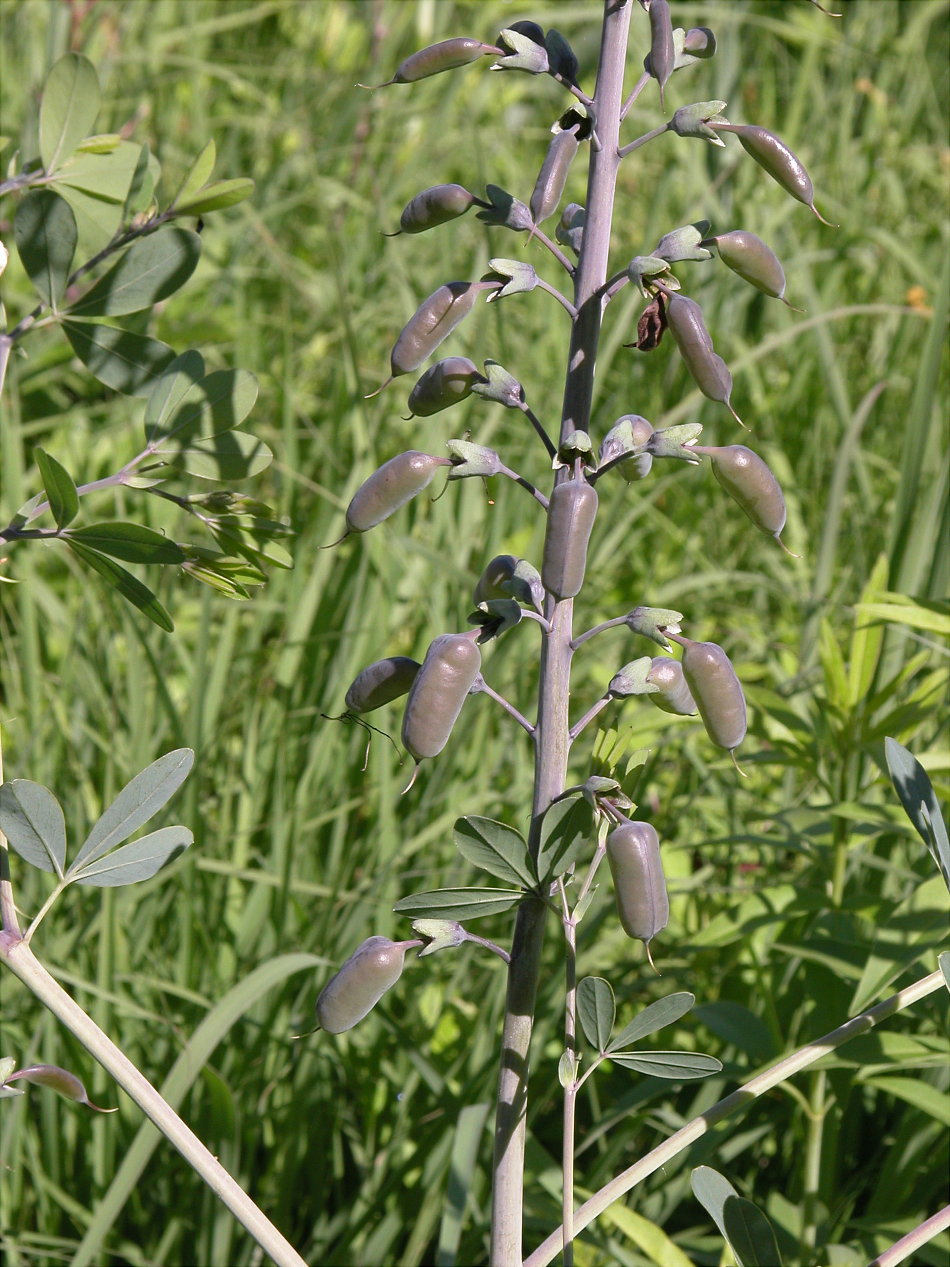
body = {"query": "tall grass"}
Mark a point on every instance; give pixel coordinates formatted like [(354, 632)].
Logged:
[(372, 1148)]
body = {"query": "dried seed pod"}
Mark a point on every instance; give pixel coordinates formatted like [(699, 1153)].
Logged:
[(643, 905), (353, 991), (553, 174), (434, 320), (435, 58), (380, 683), (684, 317), (389, 487), (436, 697), (717, 691), (755, 262), (434, 206), (571, 515), (662, 50), (774, 156), (444, 384), (672, 694), (748, 480)]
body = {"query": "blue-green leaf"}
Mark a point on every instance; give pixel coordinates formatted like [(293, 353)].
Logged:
[(230, 456), (122, 360), (45, 232), (141, 797), (918, 798), (496, 848), (137, 861), (662, 1012), (69, 107), (58, 486), (596, 1011), (32, 820), (216, 196), (678, 1065), (197, 175), (750, 1234), (129, 586), (459, 904), (567, 826), (150, 270), (132, 542), (182, 409)]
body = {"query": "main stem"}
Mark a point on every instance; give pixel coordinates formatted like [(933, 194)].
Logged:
[(552, 742)]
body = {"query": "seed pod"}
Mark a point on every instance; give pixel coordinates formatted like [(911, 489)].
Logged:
[(380, 683), (709, 371), (553, 175), (360, 983), (716, 689), (672, 695), (662, 50), (489, 584), (748, 480), (700, 42), (434, 206), (389, 487), (433, 321), (643, 905), (754, 261), (443, 384), (571, 515), (772, 154), (435, 700), (435, 58)]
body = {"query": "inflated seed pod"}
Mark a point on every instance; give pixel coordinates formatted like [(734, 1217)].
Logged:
[(436, 697), (434, 320), (662, 50), (748, 480), (435, 58), (643, 905), (716, 689), (389, 487), (571, 515), (444, 384), (755, 262), (434, 206), (553, 175), (672, 694), (774, 156), (360, 983), (490, 583), (700, 42), (380, 683), (684, 317)]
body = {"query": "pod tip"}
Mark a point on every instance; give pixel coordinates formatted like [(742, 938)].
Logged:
[(785, 547), (822, 218), (646, 947), (382, 385), (732, 753), (415, 771)]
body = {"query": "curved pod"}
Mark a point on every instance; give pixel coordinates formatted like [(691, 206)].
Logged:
[(754, 260), (643, 905), (434, 206), (360, 983), (444, 384), (434, 320), (708, 370), (436, 697), (391, 486), (774, 156), (717, 691), (380, 683), (749, 482), (662, 49), (435, 58), (571, 515)]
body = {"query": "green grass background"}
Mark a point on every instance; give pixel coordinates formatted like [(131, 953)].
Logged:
[(798, 895)]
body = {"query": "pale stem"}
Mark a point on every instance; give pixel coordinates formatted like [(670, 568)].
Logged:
[(589, 716), (739, 1099), (924, 1232), (570, 1093), (485, 689), (18, 956)]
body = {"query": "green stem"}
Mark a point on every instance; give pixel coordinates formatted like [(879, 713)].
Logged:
[(739, 1099), (18, 956), (814, 1138)]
